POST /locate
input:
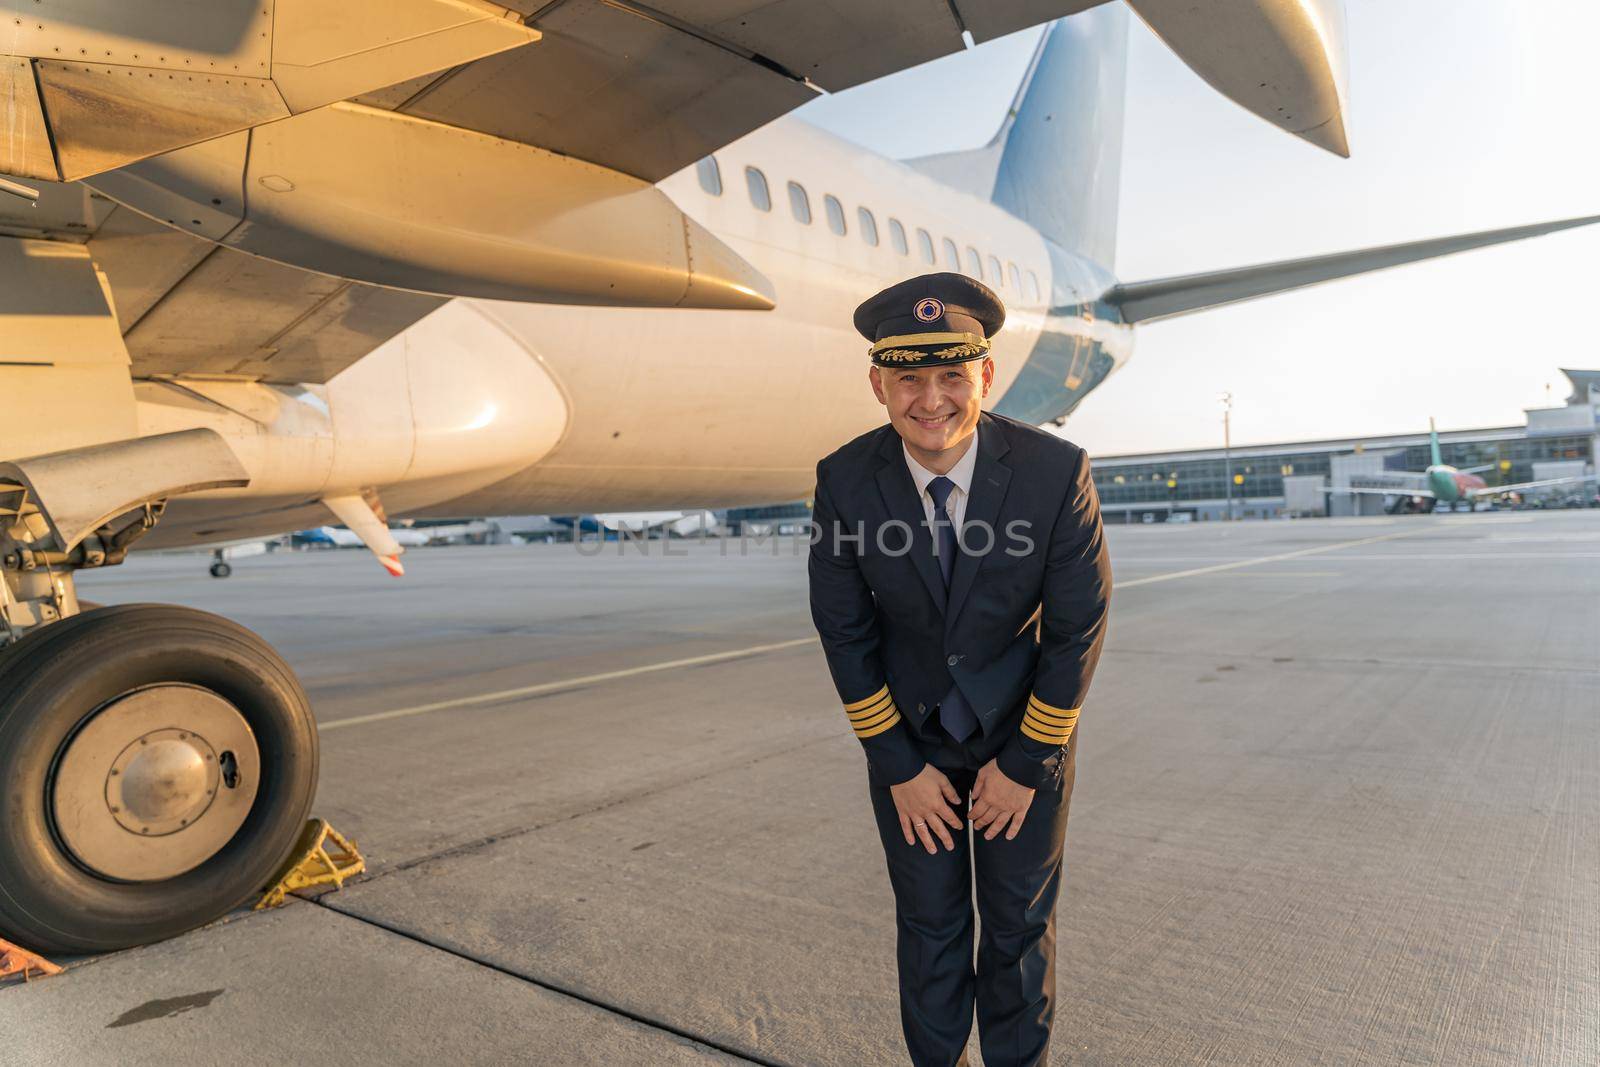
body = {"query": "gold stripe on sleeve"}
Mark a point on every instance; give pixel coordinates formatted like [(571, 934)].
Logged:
[(1060, 733), (871, 712), (1060, 713), (881, 727), (873, 699), (1047, 723), (889, 712), (1052, 737)]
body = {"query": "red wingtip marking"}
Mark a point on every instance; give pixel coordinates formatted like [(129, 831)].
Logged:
[(392, 565)]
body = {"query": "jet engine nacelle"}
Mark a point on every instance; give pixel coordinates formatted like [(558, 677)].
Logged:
[(452, 405)]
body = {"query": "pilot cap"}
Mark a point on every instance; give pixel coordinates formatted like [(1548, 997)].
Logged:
[(930, 321)]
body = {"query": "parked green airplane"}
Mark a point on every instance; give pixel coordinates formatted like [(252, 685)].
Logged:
[(1444, 484)]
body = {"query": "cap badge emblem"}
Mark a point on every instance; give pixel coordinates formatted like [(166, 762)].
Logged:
[(928, 309)]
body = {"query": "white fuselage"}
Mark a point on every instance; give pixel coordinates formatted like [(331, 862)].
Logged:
[(490, 408)]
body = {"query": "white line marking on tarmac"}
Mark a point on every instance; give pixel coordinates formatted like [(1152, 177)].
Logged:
[(1152, 579), (566, 683), (502, 695), (1453, 556)]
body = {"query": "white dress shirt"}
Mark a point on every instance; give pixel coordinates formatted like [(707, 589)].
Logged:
[(960, 474)]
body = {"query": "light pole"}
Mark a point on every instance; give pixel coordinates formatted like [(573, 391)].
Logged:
[(1227, 448)]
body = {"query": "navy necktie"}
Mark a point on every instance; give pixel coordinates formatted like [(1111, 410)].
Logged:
[(939, 489), (954, 711)]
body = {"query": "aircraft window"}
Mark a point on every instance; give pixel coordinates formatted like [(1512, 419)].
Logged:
[(1016, 278), (974, 264), (952, 258), (994, 271), (897, 237), (869, 226), (1033, 286), (835, 213), (710, 175), (759, 196), (925, 243), (799, 203)]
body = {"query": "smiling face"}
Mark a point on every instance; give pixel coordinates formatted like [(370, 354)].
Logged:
[(934, 409)]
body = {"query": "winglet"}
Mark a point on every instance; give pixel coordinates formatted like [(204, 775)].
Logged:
[(358, 513)]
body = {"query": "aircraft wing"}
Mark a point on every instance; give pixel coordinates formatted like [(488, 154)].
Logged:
[(1359, 490), (1163, 298), (439, 148), (1545, 483), (642, 89)]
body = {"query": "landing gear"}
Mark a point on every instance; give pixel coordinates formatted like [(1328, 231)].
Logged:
[(157, 765), (220, 567)]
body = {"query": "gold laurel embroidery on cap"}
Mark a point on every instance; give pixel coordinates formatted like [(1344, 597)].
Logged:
[(906, 340)]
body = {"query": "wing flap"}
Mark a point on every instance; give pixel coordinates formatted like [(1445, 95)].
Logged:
[(187, 306), (611, 87)]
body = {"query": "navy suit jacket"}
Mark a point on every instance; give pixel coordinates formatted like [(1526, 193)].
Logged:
[(1020, 629)]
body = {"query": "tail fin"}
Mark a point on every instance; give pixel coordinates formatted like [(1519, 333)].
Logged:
[(1056, 162), (1433, 443)]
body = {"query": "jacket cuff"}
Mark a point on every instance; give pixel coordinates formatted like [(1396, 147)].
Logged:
[(891, 757), (1032, 756), (1026, 770)]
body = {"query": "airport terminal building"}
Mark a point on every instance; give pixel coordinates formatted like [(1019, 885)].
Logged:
[(1288, 480)]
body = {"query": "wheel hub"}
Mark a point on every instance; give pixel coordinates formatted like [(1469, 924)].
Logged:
[(156, 783), (162, 782)]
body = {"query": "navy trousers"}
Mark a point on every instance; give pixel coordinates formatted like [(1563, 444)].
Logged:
[(1014, 985)]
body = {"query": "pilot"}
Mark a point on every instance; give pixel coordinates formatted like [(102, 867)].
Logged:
[(960, 585)]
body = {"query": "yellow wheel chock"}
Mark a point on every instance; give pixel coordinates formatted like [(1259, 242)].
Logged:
[(16, 960), (323, 855)]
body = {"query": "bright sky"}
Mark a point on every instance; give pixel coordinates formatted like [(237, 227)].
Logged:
[(1463, 115)]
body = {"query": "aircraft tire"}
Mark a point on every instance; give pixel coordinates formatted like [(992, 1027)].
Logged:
[(104, 694), (219, 569)]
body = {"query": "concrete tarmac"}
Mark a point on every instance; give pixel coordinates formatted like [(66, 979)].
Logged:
[(1338, 801)]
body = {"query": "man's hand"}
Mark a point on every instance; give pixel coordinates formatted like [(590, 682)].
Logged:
[(997, 802), (924, 807)]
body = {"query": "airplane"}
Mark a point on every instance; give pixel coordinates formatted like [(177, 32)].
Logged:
[(643, 523), (231, 550), (1444, 484), (269, 265)]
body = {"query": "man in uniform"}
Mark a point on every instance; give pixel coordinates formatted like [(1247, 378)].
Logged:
[(960, 585)]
